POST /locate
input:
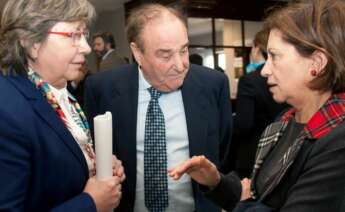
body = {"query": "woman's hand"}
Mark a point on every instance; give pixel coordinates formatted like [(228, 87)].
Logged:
[(245, 189), (118, 169), (200, 169), (106, 193)]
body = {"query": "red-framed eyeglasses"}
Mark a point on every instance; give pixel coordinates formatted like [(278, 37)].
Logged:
[(76, 36)]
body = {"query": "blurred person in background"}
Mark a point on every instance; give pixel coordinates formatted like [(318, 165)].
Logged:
[(255, 109), (196, 59), (76, 86), (104, 47)]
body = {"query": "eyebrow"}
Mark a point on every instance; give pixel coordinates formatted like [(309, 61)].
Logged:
[(164, 50), (169, 51), (81, 27), (272, 50)]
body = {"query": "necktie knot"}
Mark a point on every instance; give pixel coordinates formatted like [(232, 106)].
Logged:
[(155, 94)]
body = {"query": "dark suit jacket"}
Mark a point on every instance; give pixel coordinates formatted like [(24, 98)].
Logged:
[(315, 181), (255, 110), (113, 60), (78, 92), (42, 166), (206, 101)]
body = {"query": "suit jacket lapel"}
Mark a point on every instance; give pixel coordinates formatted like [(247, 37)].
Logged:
[(124, 107), (194, 105), (46, 112)]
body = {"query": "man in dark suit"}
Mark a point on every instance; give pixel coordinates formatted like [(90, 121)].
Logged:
[(76, 87), (104, 47), (194, 102)]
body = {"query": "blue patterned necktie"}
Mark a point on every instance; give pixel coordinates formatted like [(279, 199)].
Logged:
[(155, 157)]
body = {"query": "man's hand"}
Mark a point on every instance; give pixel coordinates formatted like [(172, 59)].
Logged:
[(200, 169)]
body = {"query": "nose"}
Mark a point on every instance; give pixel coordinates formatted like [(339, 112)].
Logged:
[(181, 62), (266, 70), (84, 47)]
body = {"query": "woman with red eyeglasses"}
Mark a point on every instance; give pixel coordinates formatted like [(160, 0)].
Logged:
[(47, 162)]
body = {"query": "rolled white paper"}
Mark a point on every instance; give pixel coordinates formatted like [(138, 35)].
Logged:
[(104, 145)]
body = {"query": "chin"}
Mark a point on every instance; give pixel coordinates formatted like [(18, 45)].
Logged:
[(171, 87), (278, 99), (72, 77), (177, 85)]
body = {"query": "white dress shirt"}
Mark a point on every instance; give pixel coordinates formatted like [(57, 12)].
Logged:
[(77, 132), (180, 192), (106, 54)]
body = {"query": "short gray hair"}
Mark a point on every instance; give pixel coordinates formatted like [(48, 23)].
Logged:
[(31, 20), (145, 14)]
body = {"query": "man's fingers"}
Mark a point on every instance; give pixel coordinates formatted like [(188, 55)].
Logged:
[(186, 167)]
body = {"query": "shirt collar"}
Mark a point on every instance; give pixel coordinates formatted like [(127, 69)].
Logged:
[(60, 94), (329, 116), (143, 84), (106, 54)]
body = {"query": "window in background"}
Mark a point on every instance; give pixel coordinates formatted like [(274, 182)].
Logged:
[(205, 53), (228, 32), (250, 29), (200, 31), (223, 43)]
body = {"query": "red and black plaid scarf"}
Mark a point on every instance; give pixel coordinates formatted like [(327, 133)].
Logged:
[(329, 116), (325, 119)]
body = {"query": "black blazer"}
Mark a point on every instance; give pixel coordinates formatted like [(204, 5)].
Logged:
[(206, 101), (255, 110), (315, 181)]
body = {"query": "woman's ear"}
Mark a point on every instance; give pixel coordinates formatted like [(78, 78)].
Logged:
[(319, 61), (32, 50)]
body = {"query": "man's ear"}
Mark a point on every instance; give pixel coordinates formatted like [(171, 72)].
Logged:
[(319, 61), (136, 52)]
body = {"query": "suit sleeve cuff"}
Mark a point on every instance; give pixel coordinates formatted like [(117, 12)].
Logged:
[(82, 202), (227, 193)]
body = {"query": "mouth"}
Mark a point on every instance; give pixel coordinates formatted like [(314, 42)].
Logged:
[(79, 63), (175, 76), (271, 86)]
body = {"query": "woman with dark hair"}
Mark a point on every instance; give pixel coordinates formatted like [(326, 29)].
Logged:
[(301, 158), (46, 158)]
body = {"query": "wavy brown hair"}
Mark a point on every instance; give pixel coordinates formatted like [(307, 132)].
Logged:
[(260, 41), (25, 22), (316, 25)]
